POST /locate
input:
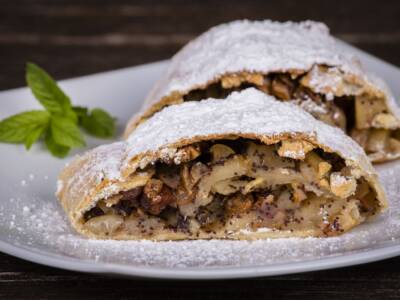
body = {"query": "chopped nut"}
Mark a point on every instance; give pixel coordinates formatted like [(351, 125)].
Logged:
[(324, 184), (366, 110), (231, 81), (187, 153), (281, 88), (295, 149), (235, 80), (314, 167), (385, 120), (342, 186), (220, 151), (377, 140), (156, 197), (323, 168), (153, 188)]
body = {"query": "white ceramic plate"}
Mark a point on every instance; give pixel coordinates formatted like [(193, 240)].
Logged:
[(33, 226)]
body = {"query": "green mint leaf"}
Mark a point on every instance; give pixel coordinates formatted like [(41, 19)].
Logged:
[(17, 128), (46, 90), (99, 123), (80, 111), (71, 114), (65, 132), (33, 136), (56, 150)]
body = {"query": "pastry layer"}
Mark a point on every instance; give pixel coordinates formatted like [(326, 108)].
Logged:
[(223, 169)]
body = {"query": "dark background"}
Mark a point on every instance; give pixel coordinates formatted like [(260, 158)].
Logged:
[(73, 38)]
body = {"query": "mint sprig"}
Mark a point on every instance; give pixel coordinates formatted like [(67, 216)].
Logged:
[(46, 90), (59, 123)]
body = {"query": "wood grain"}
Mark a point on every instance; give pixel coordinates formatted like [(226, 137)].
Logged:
[(72, 38), (18, 280)]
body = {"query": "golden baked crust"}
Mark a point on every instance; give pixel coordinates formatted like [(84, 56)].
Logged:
[(300, 148), (297, 62)]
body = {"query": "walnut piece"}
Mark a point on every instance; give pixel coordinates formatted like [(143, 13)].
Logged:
[(366, 109), (156, 196), (186, 154), (235, 80), (377, 140), (220, 151), (342, 186), (282, 87), (295, 149), (385, 120)]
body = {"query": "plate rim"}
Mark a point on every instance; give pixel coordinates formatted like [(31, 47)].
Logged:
[(206, 273)]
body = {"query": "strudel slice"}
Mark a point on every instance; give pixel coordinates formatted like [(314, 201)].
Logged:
[(296, 62), (243, 168)]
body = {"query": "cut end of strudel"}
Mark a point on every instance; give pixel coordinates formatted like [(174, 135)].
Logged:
[(296, 62), (248, 167)]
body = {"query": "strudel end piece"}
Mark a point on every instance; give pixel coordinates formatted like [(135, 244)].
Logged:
[(297, 62)]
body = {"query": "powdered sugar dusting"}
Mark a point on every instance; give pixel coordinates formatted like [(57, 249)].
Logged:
[(247, 112), (253, 46), (32, 222), (310, 106), (320, 81), (100, 163)]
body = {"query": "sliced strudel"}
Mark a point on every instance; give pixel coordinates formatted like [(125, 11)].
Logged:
[(243, 168), (297, 62)]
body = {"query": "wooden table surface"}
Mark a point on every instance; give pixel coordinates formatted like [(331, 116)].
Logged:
[(69, 38)]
